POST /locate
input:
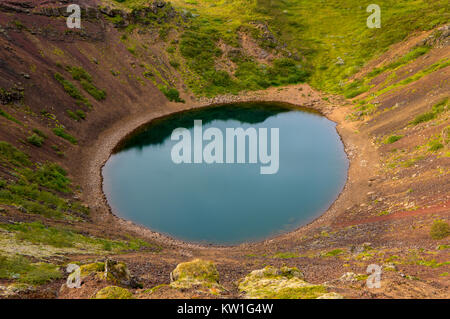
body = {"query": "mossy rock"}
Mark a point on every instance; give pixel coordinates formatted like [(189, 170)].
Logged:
[(110, 270), (274, 283), (114, 292), (15, 289), (93, 268), (117, 272), (331, 295), (196, 273)]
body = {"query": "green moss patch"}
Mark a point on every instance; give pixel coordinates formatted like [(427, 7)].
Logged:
[(284, 283), (439, 230), (114, 292), (196, 273), (22, 269)]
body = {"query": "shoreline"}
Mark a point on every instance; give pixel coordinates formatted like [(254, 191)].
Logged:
[(109, 139)]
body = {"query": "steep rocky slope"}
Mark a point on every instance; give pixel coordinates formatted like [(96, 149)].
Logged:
[(69, 96)]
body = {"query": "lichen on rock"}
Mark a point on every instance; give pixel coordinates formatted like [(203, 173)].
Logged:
[(110, 270), (274, 283), (88, 269), (114, 292), (15, 289), (196, 273), (331, 295)]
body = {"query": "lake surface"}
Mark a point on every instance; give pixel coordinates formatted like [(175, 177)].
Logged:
[(228, 203)]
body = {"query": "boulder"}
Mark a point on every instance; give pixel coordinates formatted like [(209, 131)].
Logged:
[(283, 283), (114, 292), (109, 270), (194, 274)]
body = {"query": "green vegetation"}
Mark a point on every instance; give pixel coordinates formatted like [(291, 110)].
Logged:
[(73, 115), (355, 88), (9, 117), (349, 38), (333, 253), (435, 144), (80, 74), (97, 94), (36, 189), (410, 56), (22, 269), (61, 132), (440, 229), (38, 233), (11, 155), (72, 90), (196, 273), (77, 115), (49, 175), (81, 114), (35, 140), (438, 108), (323, 56), (113, 292), (392, 139), (172, 94), (284, 283), (40, 133)]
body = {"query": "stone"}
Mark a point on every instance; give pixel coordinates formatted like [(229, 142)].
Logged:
[(389, 267), (114, 292), (331, 295), (283, 283), (110, 270), (194, 274), (348, 277)]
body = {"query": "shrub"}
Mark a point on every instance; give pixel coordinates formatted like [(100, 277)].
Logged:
[(423, 118), (174, 63), (435, 110), (78, 73), (49, 175), (392, 139), (172, 94), (27, 272), (440, 229), (71, 89), (59, 131), (435, 145), (35, 140), (81, 114), (355, 88), (73, 115), (40, 133), (9, 117), (13, 155), (96, 93)]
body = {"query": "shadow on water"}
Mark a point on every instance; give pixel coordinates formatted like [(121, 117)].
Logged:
[(158, 130)]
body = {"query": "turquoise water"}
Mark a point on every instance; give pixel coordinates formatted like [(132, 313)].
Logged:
[(228, 203)]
